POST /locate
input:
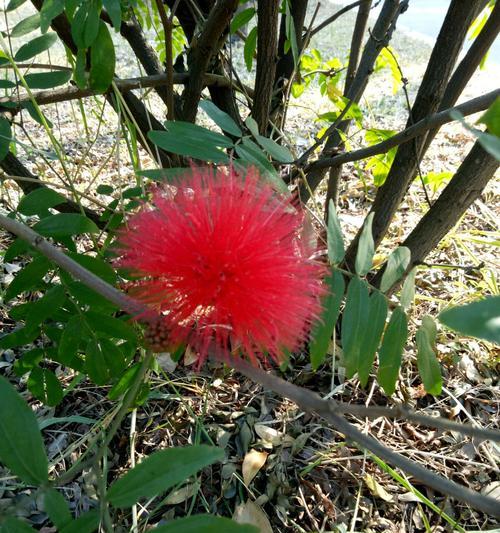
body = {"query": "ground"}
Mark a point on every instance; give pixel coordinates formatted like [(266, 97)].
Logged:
[(307, 478)]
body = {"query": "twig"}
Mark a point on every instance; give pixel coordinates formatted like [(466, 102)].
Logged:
[(167, 23), (438, 119), (335, 16), (305, 399), (404, 80)]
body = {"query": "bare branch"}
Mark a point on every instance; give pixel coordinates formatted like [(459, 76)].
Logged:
[(335, 16), (128, 84), (433, 121)]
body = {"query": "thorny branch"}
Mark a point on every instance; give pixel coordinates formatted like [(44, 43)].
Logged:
[(305, 399)]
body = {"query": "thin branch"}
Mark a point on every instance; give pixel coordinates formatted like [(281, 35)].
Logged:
[(335, 16), (129, 84), (432, 121), (304, 398), (167, 24)]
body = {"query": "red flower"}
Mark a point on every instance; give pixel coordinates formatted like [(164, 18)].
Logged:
[(223, 262)]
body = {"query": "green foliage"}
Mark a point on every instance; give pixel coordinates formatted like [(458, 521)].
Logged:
[(47, 80), (35, 46), (428, 365), (161, 471), (366, 248), (380, 164), (490, 142), (323, 329), (242, 18), (391, 351), (21, 445), (478, 319), (396, 267), (335, 238), (250, 47)]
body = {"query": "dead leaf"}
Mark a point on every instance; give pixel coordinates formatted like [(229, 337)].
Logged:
[(268, 434), (251, 513), (190, 356), (252, 463), (181, 495), (166, 362), (376, 489)]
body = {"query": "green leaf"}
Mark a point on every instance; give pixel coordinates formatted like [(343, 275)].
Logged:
[(391, 351), (336, 250), (86, 523), (65, 225), (428, 365), (50, 10), (251, 154), (111, 326), (277, 152), (19, 337), (322, 331), (191, 140), (79, 73), (242, 18), (28, 278), (5, 137), (14, 4), (396, 266), (250, 47), (114, 10), (252, 126), (205, 523), (222, 119), (489, 142), (35, 46), (38, 201), (45, 386), (354, 323), (104, 189), (6, 84), (46, 306), (161, 471), (13, 525), (21, 444), (47, 80), (56, 507), (124, 382), (492, 117), (366, 248), (408, 290), (102, 60), (377, 314), (26, 26), (72, 335), (36, 114), (479, 319), (27, 361), (95, 363)]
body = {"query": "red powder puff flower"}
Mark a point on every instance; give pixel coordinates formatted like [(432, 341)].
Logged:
[(223, 263)]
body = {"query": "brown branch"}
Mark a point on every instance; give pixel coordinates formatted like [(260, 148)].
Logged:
[(433, 121), (129, 84), (335, 16), (304, 398), (203, 48), (167, 24)]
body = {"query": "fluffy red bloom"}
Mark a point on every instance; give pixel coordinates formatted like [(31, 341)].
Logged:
[(222, 259)]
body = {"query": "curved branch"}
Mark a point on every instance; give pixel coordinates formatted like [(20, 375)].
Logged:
[(305, 399), (433, 121)]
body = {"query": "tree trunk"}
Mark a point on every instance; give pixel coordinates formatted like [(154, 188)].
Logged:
[(267, 51), (461, 192), (443, 58)]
